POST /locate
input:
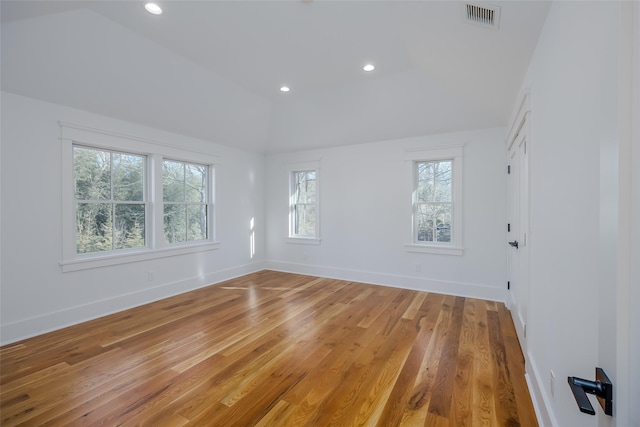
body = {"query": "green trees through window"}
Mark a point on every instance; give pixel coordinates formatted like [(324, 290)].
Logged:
[(110, 200), (112, 207), (184, 193)]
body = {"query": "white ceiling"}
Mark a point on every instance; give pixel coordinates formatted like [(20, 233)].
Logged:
[(213, 69)]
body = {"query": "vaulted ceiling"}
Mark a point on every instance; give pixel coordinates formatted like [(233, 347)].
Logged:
[(213, 69)]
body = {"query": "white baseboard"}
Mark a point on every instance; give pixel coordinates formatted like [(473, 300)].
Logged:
[(539, 396), (536, 387), (469, 290), (26, 328), (511, 299)]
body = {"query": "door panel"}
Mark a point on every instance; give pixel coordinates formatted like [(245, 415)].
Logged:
[(518, 233)]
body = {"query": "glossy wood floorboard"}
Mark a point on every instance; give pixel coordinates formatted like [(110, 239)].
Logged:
[(276, 349)]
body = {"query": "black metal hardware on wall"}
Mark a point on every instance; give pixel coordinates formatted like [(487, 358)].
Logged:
[(601, 388), (514, 244)]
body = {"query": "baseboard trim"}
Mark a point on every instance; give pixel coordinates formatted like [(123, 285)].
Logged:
[(469, 290), (38, 325), (539, 396), (536, 387), (511, 299)]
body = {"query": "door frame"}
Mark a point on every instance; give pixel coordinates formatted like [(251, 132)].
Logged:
[(627, 390), (517, 230), (519, 130)]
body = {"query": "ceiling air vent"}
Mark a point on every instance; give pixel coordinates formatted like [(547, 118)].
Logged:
[(485, 15)]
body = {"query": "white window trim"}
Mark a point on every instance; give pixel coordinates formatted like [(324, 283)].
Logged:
[(297, 167), (71, 134), (450, 152)]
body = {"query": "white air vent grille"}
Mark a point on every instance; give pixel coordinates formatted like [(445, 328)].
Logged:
[(482, 14)]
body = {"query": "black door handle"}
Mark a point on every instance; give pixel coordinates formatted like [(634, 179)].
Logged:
[(514, 244), (601, 387), (579, 389)]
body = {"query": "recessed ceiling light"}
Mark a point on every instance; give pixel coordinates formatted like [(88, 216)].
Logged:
[(153, 8), (284, 89), (369, 67)]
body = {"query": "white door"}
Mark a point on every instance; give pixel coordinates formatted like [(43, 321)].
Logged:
[(517, 231), (619, 317)]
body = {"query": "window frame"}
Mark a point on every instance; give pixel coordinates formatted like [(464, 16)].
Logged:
[(291, 170), (454, 153), (112, 201), (155, 247), (187, 203)]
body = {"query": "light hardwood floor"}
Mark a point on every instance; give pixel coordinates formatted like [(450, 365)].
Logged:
[(276, 349)]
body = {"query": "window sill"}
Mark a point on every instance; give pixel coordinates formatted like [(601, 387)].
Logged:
[(303, 240), (128, 257), (433, 249)]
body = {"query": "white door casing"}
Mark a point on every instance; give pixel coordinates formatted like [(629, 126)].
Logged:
[(518, 147)]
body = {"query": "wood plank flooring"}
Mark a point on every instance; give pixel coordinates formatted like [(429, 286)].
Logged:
[(276, 349)]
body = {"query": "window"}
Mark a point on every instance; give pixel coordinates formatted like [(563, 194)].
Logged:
[(433, 206), (303, 202), (303, 206), (128, 199), (110, 200), (436, 225), (184, 193)]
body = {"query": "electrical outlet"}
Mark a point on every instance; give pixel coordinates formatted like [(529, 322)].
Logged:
[(552, 383), (150, 276), (418, 268)]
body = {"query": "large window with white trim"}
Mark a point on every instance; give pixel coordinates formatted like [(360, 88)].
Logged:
[(127, 199), (436, 215)]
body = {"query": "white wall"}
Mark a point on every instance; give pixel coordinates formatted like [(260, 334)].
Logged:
[(365, 218), (36, 295), (573, 239)]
